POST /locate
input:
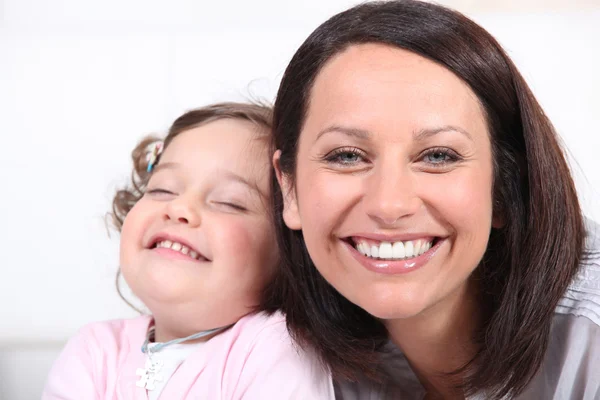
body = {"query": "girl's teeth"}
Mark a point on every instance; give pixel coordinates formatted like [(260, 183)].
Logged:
[(167, 244), (396, 250)]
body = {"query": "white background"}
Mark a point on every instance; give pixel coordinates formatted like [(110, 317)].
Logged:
[(81, 81)]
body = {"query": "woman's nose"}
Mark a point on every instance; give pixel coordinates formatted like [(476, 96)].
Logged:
[(391, 195)]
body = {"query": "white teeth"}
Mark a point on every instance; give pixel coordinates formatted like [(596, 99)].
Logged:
[(362, 248), (408, 249), (167, 244), (396, 250), (385, 250), (417, 249), (374, 251)]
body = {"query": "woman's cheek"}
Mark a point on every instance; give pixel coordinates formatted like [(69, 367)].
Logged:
[(464, 203), (328, 194)]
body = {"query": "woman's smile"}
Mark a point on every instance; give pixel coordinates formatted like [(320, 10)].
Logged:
[(397, 257)]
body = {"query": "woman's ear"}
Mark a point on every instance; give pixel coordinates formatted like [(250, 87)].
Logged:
[(291, 216)]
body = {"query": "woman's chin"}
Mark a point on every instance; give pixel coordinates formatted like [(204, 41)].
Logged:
[(393, 308), (395, 314)]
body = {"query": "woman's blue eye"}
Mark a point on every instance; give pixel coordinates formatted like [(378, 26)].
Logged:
[(345, 156), (348, 157), (440, 156), (437, 157)]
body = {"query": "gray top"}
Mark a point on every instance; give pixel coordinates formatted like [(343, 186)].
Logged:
[(571, 368)]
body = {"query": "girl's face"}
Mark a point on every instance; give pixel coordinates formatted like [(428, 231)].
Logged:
[(198, 248), (393, 182)]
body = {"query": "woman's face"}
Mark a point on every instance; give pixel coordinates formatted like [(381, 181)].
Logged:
[(393, 186)]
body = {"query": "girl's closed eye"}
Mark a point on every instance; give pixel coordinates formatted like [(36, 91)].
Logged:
[(157, 191), (232, 205)]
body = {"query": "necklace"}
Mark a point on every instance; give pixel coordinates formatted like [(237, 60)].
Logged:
[(150, 374)]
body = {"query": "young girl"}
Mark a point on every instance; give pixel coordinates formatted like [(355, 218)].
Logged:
[(198, 248)]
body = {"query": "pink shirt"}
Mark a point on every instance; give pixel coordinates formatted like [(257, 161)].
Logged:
[(255, 359)]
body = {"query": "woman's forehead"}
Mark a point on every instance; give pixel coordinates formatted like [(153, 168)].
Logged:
[(374, 82)]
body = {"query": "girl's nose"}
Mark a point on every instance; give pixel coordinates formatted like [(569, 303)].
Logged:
[(182, 210)]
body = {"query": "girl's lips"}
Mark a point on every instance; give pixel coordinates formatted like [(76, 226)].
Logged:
[(394, 267), (162, 237), (176, 255)]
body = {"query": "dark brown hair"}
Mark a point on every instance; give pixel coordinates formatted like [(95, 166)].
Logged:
[(528, 263), (126, 198)]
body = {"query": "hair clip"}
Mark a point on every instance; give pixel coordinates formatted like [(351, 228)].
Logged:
[(153, 151)]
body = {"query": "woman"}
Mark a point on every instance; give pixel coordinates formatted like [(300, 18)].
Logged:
[(425, 200)]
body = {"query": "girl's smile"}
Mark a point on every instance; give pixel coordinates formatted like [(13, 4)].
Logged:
[(173, 246)]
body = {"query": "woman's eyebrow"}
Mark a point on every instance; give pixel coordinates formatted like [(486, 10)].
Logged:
[(419, 135), (354, 132), (426, 133)]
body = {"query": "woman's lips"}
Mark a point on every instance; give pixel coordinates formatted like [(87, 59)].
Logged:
[(393, 266)]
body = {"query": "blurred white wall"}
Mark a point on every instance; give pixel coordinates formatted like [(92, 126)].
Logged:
[(82, 80)]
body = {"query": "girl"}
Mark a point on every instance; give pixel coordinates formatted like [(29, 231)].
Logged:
[(197, 247)]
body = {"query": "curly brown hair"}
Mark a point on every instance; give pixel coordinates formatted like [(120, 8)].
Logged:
[(125, 198)]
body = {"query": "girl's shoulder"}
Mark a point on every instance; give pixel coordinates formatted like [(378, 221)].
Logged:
[(92, 359), (266, 363), (118, 332), (259, 329), (255, 323)]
